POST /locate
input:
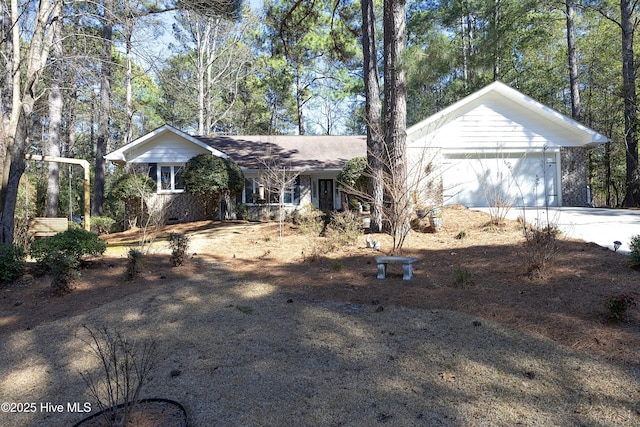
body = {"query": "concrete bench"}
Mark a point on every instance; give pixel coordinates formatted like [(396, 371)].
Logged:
[(407, 262), (47, 227)]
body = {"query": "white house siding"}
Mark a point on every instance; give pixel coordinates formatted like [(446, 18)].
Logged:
[(493, 148), (497, 123), (165, 148)]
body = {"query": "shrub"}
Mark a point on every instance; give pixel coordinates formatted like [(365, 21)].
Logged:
[(74, 243), (11, 262), (353, 176), (133, 185), (63, 269), (242, 211), (634, 255), (310, 220), (343, 228), (618, 306), (178, 243), (135, 259), (101, 224), (541, 245), (463, 277), (211, 178)]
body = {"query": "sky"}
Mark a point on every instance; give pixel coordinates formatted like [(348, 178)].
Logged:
[(150, 45)]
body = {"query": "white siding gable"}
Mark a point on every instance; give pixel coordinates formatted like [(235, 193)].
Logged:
[(163, 145), (165, 148), (495, 122), (499, 116)]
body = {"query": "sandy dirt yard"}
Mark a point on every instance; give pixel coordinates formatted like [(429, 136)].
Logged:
[(260, 327)]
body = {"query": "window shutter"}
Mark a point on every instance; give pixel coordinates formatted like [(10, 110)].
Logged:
[(296, 191), (153, 172)]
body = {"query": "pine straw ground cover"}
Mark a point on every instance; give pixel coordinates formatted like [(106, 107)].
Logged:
[(255, 330)]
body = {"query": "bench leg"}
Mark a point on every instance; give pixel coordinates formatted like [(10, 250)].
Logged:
[(407, 272), (382, 271)]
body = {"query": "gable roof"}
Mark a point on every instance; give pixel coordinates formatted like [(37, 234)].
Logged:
[(293, 151), (587, 137), (122, 155), (250, 152)]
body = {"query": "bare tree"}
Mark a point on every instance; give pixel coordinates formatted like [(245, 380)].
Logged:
[(395, 113), (423, 184), (278, 179), (219, 64), (24, 94)]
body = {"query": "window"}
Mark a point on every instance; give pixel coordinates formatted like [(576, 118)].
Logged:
[(168, 178), (251, 193), (251, 189)]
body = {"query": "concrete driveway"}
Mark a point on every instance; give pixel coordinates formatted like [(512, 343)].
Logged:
[(597, 225)]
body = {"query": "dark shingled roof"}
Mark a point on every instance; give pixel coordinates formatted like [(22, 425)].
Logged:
[(294, 152)]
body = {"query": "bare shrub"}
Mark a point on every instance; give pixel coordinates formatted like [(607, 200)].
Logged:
[(498, 189), (405, 188), (540, 246), (343, 229), (126, 366), (315, 253), (310, 220)]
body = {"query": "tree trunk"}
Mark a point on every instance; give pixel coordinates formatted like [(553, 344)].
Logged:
[(632, 196), (202, 47), (102, 142), (496, 40), (129, 81), (573, 62), (7, 85), (55, 119), (373, 108), (299, 103), (395, 116)]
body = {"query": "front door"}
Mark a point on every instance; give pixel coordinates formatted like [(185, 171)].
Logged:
[(325, 194)]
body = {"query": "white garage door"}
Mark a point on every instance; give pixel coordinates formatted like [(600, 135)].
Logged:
[(507, 179)]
